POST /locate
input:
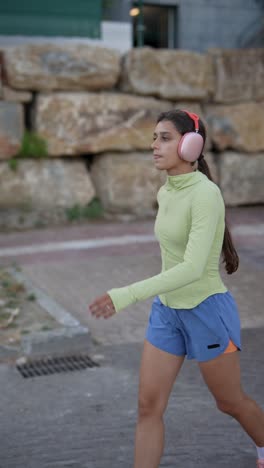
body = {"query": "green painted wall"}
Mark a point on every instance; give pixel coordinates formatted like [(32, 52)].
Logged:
[(81, 18)]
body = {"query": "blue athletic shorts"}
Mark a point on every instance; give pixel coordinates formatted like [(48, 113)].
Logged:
[(201, 333)]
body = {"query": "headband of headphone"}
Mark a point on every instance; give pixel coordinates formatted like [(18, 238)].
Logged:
[(195, 118)]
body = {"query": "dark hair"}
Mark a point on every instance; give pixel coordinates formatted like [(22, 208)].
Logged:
[(183, 123)]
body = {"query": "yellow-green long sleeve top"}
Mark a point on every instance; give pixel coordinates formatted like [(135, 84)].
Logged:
[(189, 226)]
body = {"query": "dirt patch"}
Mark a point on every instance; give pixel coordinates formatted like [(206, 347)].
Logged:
[(20, 314)]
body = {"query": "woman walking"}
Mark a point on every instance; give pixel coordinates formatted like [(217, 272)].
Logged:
[(193, 314)]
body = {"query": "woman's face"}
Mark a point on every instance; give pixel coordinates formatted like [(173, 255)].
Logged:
[(165, 143)]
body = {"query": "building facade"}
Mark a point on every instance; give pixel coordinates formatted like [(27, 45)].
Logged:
[(195, 24), (186, 24)]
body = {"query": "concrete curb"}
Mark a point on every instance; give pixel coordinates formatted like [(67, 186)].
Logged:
[(72, 337)]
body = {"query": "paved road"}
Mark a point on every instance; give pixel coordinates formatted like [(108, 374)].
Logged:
[(86, 419), (76, 264)]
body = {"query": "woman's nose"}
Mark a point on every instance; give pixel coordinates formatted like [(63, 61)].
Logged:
[(153, 144)]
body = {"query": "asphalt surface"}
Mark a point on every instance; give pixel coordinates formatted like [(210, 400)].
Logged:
[(86, 419)]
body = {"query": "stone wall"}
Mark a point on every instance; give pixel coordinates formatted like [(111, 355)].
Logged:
[(96, 111)]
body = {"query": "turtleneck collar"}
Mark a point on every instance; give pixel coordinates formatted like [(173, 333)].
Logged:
[(180, 181)]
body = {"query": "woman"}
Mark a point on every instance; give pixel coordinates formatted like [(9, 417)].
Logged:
[(193, 313)]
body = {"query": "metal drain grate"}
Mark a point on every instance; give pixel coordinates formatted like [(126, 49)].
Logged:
[(54, 365)]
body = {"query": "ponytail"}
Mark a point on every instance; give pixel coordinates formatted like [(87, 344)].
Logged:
[(229, 253)]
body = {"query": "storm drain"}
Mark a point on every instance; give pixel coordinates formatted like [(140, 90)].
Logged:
[(54, 365)]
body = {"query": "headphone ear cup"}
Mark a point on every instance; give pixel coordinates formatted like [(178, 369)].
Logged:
[(190, 146)]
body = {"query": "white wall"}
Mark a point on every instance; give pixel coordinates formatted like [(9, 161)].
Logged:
[(115, 35)]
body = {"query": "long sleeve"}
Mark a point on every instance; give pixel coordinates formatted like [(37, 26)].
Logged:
[(205, 212)]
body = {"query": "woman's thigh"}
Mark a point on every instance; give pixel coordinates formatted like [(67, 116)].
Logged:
[(158, 372), (222, 376)]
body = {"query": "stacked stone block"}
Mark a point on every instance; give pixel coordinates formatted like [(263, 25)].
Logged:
[(91, 105)]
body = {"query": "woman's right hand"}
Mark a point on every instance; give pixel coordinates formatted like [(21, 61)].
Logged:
[(102, 307)]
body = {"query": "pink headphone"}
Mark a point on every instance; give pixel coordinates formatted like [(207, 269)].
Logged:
[(191, 143)]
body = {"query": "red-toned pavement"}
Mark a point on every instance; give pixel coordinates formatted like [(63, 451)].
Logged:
[(75, 264)]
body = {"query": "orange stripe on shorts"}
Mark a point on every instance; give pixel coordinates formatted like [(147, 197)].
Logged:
[(231, 348)]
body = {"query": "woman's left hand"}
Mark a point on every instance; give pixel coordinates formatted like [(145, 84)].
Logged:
[(102, 307)]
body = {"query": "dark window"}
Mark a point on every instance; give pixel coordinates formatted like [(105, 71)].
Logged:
[(158, 26)]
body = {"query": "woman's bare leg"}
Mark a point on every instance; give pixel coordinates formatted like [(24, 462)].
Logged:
[(222, 376), (158, 372)]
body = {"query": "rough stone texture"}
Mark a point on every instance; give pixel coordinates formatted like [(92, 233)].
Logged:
[(241, 178), (213, 163), (239, 75), (170, 74), (76, 123), (45, 184), (127, 184), (11, 128), (50, 66), (238, 126), (12, 95)]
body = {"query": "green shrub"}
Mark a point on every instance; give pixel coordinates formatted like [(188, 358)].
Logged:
[(31, 297), (13, 164), (94, 209), (46, 328), (33, 146)]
